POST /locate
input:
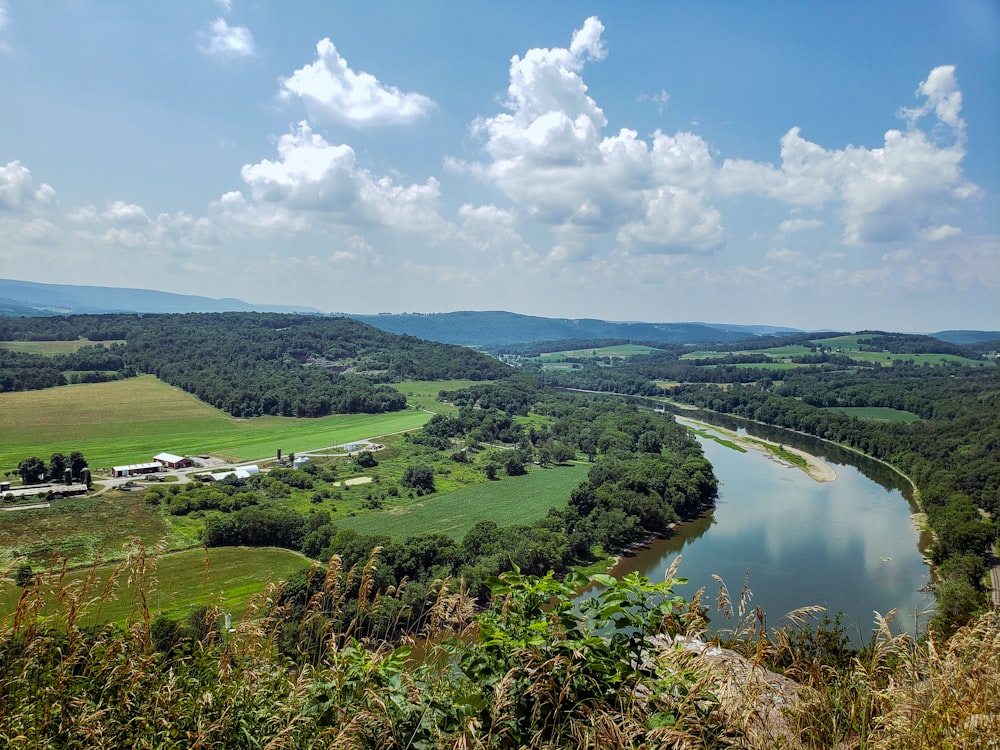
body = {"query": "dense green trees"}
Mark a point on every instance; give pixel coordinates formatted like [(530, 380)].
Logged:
[(247, 364)]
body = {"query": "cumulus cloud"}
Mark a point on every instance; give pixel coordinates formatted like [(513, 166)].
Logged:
[(942, 97), (884, 194), (799, 225), (334, 93), (17, 189), (548, 154), (313, 175), (226, 42)]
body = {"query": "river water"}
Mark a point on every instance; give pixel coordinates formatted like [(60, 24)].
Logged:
[(848, 545)]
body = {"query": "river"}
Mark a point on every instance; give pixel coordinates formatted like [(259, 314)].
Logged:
[(848, 545)]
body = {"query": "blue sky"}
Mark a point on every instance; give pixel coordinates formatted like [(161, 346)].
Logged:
[(814, 165)]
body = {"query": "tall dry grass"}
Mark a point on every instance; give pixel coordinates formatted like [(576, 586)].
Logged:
[(532, 671)]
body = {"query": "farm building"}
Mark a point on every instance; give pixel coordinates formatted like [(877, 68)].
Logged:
[(132, 470), (241, 472), (170, 461)]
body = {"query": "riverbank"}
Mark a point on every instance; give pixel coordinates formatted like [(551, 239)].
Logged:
[(814, 466)]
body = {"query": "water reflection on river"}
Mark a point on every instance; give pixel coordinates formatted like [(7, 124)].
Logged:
[(848, 545)]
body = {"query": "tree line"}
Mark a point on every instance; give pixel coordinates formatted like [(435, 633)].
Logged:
[(247, 364)]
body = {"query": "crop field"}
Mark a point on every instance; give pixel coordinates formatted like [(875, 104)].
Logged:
[(758, 366), (50, 348), (622, 351), (223, 576), (878, 413), (511, 500), (846, 345), (129, 421)]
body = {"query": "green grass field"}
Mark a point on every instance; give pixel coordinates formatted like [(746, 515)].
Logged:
[(847, 345), (423, 393), (511, 500), (224, 576), (129, 421), (621, 350), (49, 348), (878, 413)]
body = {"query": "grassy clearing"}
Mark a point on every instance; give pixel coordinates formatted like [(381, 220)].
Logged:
[(423, 394), (128, 421), (623, 351), (84, 529), (877, 413), (511, 500), (846, 345), (50, 348), (225, 577)]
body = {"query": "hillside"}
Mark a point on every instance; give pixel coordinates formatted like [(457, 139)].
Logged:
[(493, 329), (28, 298), (248, 364)]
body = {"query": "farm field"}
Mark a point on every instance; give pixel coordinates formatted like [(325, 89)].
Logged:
[(511, 500), (878, 413), (847, 345), (84, 529), (621, 351), (224, 576), (50, 348), (128, 421)]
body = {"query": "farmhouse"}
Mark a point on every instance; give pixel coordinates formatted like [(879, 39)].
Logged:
[(170, 461), (132, 470)]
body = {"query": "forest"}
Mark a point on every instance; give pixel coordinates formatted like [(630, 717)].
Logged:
[(247, 364)]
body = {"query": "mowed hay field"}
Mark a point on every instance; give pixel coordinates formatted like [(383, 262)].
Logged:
[(130, 421), (509, 501), (225, 576)]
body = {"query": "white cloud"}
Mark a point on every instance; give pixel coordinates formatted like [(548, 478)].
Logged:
[(676, 221), (884, 194), (942, 97), (315, 176), (4, 18), (334, 93), (17, 189), (661, 99), (799, 225), (226, 5), (224, 41), (548, 155), (943, 232), (120, 212)]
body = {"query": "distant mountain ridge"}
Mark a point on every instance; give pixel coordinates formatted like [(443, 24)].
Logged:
[(19, 298), (495, 328), (483, 329)]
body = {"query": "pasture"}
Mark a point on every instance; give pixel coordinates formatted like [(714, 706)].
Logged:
[(129, 421), (848, 346), (620, 351), (224, 576), (877, 413), (511, 500), (51, 348)]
